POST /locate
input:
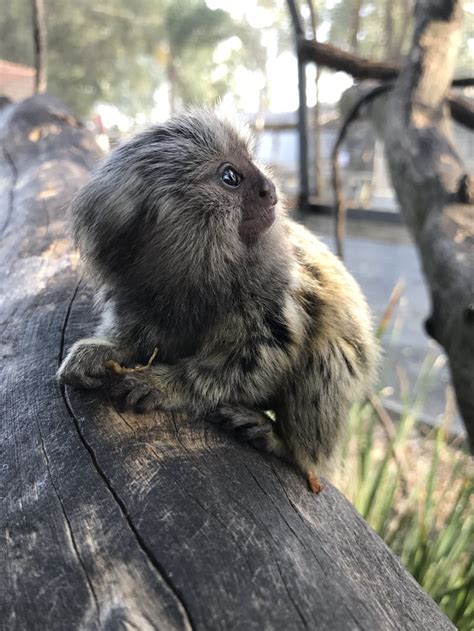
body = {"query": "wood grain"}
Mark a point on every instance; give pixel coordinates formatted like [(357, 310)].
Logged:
[(120, 521)]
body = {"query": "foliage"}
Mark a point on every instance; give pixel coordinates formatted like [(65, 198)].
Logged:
[(191, 33), (111, 51), (416, 492), (120, 52), (383, 27)]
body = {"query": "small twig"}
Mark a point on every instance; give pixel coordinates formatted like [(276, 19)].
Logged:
[(339, 206), (122, 370)]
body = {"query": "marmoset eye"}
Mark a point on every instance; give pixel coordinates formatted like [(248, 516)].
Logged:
[(231, 177)]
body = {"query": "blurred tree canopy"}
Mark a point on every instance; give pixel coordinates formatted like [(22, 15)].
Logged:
[(120, 52), (380, 30)]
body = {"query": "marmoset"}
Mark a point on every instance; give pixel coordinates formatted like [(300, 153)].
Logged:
[(192, 253)]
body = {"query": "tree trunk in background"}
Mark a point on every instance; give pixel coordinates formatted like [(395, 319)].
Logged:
[(355, 22), (434, 191), (388, 25), (40, 39)]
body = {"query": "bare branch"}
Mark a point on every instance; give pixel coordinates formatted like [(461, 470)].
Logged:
[(362, 68), (355, 65), (339, 202), (461, 111)]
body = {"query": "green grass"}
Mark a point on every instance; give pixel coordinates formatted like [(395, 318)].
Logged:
[(416, 492)]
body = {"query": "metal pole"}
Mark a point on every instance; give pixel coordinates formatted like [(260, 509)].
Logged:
[(314, 124), (303, 133), (302, 112)]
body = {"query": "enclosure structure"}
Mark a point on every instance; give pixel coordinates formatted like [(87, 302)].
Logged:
[(114, 520), (379, 76)]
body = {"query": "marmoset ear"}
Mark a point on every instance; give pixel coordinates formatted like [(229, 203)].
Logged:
[(112, 222)]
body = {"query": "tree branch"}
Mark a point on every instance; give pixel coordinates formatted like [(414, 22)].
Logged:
[(361, 68), (339, 59), (339, 202)]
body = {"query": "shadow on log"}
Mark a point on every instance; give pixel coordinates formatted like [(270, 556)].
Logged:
[(114, 521)]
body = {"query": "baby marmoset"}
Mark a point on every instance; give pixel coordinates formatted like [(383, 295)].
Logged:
[(192, 253)]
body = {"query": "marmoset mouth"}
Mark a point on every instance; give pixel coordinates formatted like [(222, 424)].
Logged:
[(256, 225)]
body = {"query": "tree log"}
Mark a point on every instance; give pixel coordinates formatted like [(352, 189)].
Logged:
[(433, 189), (114, 520)]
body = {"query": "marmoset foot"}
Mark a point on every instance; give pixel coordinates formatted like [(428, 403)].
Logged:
[(133, 391), (247, 425), (85, 364)]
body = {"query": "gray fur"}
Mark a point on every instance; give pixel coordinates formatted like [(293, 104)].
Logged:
[(248, 310)]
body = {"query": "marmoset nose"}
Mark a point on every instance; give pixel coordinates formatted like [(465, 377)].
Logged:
[(267, 191)]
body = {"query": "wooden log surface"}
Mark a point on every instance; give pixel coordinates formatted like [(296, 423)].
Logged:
[(119, 521)]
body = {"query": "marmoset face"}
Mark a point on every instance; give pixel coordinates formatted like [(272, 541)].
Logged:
[(205, 168), (256, 196)]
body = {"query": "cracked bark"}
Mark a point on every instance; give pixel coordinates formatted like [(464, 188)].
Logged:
[(433, 189), (121, 521)]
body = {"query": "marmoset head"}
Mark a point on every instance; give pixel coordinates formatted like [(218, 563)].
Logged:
[(205, 167), (173, 200)]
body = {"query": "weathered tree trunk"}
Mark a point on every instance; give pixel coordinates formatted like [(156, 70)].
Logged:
[(433, 189), (119, 521)]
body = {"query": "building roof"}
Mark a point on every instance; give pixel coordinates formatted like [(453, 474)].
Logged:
[(8, 68)]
